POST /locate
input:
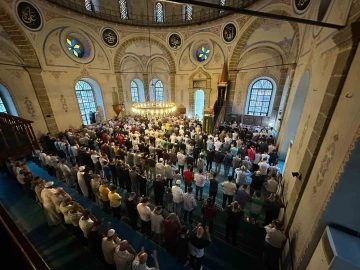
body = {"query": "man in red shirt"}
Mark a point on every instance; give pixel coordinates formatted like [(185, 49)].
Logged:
[(251, 153), (208, 212), (171, 230), (188, 177)]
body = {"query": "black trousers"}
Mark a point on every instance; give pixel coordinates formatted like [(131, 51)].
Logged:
[(146, 227), (227, 198), (169, 182), (271, 257), (195, 262), (231, 229), (116, 211), (208, 165), (158, 199), (212, 194), (211, 224)]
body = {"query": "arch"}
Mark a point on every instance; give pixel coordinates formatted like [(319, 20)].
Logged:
[(121, 52), (240, 45), (6, 103), (293, 119), (199, 103), (88, 93), (260, 96)]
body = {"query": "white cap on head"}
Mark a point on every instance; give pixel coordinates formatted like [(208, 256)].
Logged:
[(111, 232), (178, 182), (49, 184), (161, 160)]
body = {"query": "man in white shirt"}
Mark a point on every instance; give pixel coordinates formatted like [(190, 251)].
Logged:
[(229, 189), (199, 183), (86, 222), (124, 255), (108, 246), (217, 145), (189, 205), (140, 261), (263, 167), (274, 243), (181, 162), (66, 172), (145, 216), (177, 197)]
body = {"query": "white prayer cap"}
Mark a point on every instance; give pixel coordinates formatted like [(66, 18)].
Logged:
[(111, 232), (49, 184)]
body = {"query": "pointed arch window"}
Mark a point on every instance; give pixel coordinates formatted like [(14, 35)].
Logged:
[(188, 12), (86, 100), (88, 5), (260, 97), (124, 15), (159, 12), (159, 91), (134, 92)]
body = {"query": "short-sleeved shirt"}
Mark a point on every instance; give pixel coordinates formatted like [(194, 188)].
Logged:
[(137, 266), (104, 191), (274, 237), (123, 259), (144, 212), (86, 225), (115, 199), (108, 248), (197, 246)]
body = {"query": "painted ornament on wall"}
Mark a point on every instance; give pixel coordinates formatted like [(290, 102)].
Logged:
[(29, 16), (301, 5), (229, 32), (175, 41), (29, 106), (110, 37), (64, 103)]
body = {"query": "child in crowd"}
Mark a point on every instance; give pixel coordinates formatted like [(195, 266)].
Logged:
[(168, 200)]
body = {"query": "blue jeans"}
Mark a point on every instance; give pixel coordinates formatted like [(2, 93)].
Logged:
[(177, 208)]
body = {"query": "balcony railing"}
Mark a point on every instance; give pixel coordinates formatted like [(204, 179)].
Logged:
[(104, 13), (16, 136)]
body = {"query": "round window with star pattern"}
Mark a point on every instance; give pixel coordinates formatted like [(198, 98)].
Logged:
[(203, 52), (77, 45)]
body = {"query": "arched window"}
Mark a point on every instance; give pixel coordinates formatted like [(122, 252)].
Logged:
[(188, 10), (159, 91), (86, 101), (88, 5), (123, 10), (222, 3), (6, 102), (260, 97), (134, 92), (159, 12)]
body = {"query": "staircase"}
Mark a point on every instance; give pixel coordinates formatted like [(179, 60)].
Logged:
[(17, 137), (219, 117)]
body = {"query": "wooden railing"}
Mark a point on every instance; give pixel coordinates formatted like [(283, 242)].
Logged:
[(17, 136)]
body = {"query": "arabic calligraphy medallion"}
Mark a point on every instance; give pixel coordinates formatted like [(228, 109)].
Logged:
[(29, 16), (110, 37)]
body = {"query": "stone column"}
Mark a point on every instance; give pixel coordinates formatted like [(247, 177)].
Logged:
[(146, 86), (172, 87)]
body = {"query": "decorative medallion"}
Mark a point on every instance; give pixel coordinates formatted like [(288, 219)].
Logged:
[(229, 32), (301, 5), (64, 103), (110, 37), (29, 15), (175, 41), (29, 106)]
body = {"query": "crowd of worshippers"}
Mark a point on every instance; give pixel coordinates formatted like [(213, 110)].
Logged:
[(131, 154), (115, 253)]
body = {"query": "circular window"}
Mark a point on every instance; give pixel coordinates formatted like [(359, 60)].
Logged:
[(77, 45), (202, 52)]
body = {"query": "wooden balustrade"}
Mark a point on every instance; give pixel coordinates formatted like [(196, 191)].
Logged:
[(17, 136)]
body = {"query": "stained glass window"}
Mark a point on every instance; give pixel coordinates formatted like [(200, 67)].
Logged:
[(88, 5), (159, 91), (188, 10), (199, 103), (123, 10), (159, 12), (86, 101), (75, 47), (260, 98), (2, 106), (203, 53), (134, 92)]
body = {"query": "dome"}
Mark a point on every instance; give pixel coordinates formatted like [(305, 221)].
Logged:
[(150, 12)]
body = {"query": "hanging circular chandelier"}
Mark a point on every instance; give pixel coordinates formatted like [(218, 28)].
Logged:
[(154, 108)]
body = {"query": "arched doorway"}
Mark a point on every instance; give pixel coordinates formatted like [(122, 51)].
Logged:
[(199, 103), (295, 114), (6, 102)]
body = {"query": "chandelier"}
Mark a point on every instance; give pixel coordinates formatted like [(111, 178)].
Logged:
[(152, 108)]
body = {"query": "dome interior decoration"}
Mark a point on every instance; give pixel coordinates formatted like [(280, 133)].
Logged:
[(203, 52)]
